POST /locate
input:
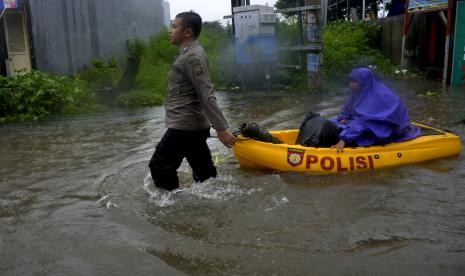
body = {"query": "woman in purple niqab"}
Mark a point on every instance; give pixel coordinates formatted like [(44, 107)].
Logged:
[(372, 114)]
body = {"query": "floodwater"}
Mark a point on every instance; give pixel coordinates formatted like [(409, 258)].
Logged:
[(75, 199)]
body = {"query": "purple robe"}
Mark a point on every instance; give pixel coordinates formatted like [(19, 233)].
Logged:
[(375, 114)]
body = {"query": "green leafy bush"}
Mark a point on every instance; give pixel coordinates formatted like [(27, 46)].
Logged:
[(101, 74), (156, 59), (136, 48), (347, 45), (155, 64), (34, 95)]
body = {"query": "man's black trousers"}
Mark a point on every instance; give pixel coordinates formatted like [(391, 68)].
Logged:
[(171, 150)]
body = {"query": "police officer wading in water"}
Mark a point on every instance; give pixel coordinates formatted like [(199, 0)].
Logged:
[(190, 109)]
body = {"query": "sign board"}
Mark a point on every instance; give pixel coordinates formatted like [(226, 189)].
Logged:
[(10, 4), (426, 5), (458, 63), (313, 62)]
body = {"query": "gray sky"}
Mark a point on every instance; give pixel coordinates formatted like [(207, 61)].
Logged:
[(209, 10)]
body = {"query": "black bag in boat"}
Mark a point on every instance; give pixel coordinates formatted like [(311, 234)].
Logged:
[(316, 131), (254, 131)]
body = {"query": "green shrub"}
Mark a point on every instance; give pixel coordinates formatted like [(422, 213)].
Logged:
[(136, 48), (34, 95), (156, 59), (155, 64), (347, 45), (101, 74)]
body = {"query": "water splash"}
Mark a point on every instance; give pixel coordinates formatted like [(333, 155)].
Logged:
[(217, 189), (159, 197), (222, 188), (278, 201), (106, 201)]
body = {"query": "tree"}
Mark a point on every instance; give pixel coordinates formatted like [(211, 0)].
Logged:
[(284, 4)]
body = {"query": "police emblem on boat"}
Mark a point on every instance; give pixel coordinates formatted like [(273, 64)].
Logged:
[(295, 157)]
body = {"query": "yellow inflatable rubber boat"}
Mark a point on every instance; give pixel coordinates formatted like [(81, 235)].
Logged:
[(433, 144)]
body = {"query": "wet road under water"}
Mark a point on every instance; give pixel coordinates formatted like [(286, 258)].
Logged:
[(75, 200)]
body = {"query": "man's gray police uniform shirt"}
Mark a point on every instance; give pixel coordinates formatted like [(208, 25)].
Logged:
[(190, 101)]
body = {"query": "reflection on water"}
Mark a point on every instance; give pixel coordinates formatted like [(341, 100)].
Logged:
[(76, 199)]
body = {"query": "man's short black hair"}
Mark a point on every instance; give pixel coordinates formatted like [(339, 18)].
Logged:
[(191, 20)]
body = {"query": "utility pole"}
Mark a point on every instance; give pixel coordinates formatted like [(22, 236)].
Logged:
[(404, 36), (315, 23), (237, 3), (299, 30), (450, 9), (348, 11), (363, 10)]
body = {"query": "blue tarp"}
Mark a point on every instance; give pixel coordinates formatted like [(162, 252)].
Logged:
[(12, 4)]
